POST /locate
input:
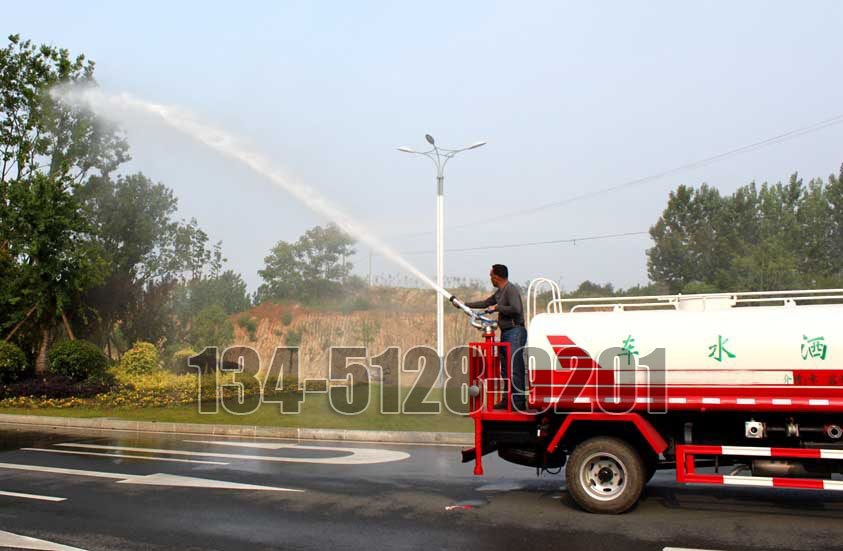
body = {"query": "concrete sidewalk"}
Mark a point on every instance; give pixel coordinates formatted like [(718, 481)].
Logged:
[(105, 423)]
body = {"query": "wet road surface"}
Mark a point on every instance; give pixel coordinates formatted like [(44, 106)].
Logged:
[(111, 490)]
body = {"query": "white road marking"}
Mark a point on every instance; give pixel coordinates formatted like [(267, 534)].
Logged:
[(8, 539), (259, 445), (358, 456), (121, 456), (157, 479), (32, 496)]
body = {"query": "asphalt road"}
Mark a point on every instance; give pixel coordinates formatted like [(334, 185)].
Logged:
[(80, 493)]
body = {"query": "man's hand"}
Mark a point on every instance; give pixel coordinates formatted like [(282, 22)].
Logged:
[(492, 308), (453, 300)]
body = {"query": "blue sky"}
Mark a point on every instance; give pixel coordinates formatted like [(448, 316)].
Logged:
[(571, 97)]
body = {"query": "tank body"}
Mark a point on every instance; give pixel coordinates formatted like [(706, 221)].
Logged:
[(769, 358)]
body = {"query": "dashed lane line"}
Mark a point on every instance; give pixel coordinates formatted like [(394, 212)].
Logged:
[(357, 456), (122, 456), (32, 496)]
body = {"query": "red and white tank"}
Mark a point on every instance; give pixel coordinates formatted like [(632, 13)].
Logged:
[(774, 351)]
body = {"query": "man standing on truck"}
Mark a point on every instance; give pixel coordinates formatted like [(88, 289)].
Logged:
[(506, 301)]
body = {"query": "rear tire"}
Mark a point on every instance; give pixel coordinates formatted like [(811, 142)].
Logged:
[(605, 475)]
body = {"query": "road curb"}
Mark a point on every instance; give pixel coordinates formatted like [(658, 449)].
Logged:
[(105, 423)]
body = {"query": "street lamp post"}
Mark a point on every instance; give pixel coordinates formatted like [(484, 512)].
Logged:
[(440, 157)]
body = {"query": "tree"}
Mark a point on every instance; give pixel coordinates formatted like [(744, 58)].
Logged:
[(779, 236), (226, 290), (56, 260), (37, 132), (133, 224), (211, 327), (313, 268), (46, 150), (152, 258)]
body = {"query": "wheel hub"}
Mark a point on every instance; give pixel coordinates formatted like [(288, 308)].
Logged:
[(603, 476)]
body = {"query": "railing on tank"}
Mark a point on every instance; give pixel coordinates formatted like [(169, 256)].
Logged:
[(535, 290), (698, 302), (485, 377)]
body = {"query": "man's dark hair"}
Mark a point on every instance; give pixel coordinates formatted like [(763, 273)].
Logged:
[(500, 270)]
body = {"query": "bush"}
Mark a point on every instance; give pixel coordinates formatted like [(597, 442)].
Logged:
[(77, 360), (58, 387), (178, 363), (287, 318), (292, 338), (12, 362), (141, 358), (358, 304), (249, 325)]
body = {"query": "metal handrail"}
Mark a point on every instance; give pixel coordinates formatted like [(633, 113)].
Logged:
[(793, 297), (533, 295)]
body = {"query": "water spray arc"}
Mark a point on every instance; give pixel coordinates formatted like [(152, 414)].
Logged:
[(119, 106), (440, 157)]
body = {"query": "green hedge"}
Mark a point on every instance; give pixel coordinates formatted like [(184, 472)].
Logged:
[(12, 362), (77, 360)]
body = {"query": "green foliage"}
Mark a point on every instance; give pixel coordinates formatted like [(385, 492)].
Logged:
[(293, 337), (141, 358), (287, 318), (366, 331), (588, 289), (47, 149), (56, 260), (226, 289), (211, 327), (77, 359), (358, 303), (163, 271), (775, 237), (12, 362), (311, 269), (179, 360), (249, 325)]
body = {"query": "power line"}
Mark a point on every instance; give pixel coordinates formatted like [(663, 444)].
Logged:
[(815, 127), (573, 240)]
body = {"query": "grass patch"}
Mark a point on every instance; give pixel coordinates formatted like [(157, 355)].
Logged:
[(315, 412)]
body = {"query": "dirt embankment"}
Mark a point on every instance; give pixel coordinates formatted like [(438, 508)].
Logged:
[(403, 318)]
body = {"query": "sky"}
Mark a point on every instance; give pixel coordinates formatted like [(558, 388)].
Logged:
[(572, 97)]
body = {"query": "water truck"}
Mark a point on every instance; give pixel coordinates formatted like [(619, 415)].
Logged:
[(738, 389)]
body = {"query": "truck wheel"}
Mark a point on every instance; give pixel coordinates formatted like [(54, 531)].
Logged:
[(605, 475)]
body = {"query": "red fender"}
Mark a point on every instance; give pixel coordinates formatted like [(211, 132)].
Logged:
[(650, 434)]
